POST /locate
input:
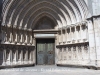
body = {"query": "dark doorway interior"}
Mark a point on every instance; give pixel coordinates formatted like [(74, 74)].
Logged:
[(45, 51)]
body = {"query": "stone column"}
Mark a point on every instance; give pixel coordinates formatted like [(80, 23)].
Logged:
[(92, 50), (70, 35), (87, 35), (75, 34), (61, 37), (8, 35), (83, 54), (66, 35), (34, 55), (72, 54), (16, 36), (11, 61), (21, 39), (67, 53), (29, 56), (81, 33), (77, 55), (59, 34), (22, 61), (4, 56), (16, 55), (26, 37), (26, 56), (10, 39)]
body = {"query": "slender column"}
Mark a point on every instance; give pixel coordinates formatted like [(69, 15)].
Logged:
[(29, 38), (66, 35), (61, 36), (12, 35), (21, 39), (26, 56), (16, 55), (81, 33), (34, 54), (29, 56), (11, 57), (70, 35), (16, 36), (62, 54), (26, 37), (87, 35), (22, 57), (8, 35), (72, 53), (86, 53), (83, 53), (6, 30), (77, 55), (66, 53), (4, 56), (75, 34), (10, 39)]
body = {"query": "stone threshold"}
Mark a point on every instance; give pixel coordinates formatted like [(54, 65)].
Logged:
[(16, 66), (80, 66)]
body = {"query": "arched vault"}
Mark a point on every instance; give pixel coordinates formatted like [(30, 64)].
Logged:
[(25, 13)]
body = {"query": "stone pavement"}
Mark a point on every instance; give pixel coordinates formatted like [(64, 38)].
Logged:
[(48, 70)]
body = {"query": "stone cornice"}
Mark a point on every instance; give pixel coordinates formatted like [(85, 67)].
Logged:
[(91, 18), (58, 46)]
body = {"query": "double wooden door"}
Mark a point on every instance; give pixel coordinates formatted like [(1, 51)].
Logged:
[(45, 51)]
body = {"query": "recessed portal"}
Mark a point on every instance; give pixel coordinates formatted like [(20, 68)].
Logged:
[(45, 51)]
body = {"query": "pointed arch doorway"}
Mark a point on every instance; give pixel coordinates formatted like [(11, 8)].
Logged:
[(44, 33)]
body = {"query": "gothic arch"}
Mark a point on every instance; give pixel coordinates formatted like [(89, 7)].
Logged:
[(69, 12)]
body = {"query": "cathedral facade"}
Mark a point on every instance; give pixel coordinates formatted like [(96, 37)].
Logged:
[(50, 32)]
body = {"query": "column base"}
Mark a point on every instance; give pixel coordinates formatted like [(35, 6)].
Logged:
[(80, 66)]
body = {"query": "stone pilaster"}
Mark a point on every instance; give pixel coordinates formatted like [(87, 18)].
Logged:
[(92, 49), (96, 22)]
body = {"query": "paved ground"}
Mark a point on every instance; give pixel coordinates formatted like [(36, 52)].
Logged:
[(48, 70)]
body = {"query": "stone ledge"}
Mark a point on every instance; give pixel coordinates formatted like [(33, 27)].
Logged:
[(72, 44), (80, 66), (16, 66)]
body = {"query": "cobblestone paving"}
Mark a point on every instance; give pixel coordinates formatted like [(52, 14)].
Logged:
[(48, 70)]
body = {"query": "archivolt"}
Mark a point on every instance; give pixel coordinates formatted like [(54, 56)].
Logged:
[(25, 13)]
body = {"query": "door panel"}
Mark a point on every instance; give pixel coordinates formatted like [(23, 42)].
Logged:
[(45, 51), (40, 54), (50, 53)]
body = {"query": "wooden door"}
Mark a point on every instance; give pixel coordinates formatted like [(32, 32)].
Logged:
[(45, 51)]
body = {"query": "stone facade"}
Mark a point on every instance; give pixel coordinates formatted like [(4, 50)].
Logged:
[(74, 23)]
